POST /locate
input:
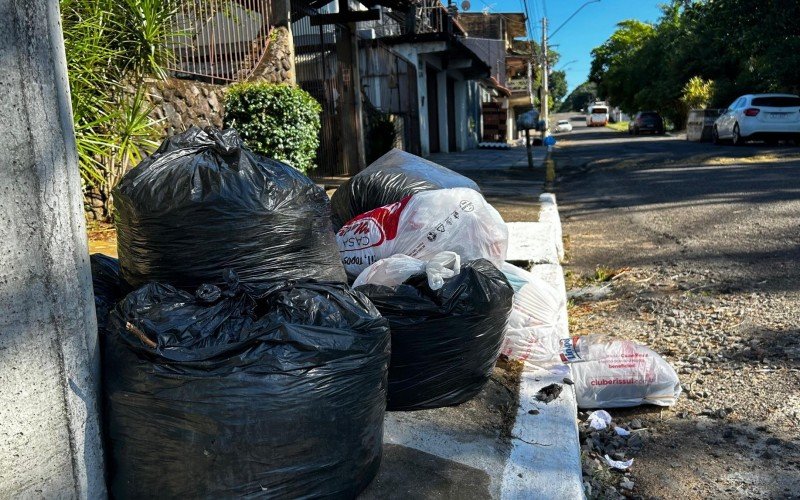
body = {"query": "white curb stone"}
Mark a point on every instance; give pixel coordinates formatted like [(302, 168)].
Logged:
[(530, 243), (545, 458)]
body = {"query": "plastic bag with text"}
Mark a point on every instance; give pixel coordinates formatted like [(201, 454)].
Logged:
[(615, 373), (420, 226), (532, 335), (389, 179)]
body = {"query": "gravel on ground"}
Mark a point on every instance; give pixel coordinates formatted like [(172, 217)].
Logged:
[(699, 262)]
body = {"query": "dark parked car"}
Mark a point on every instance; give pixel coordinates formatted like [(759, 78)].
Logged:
[(646, 121)]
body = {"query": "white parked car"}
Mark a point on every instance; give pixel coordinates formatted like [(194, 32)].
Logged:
[(563, 126), (759, 116)]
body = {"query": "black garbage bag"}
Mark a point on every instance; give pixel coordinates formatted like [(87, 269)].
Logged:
[(106, 284), (204, 202), (389, 179), (444, 342), (278, 391)]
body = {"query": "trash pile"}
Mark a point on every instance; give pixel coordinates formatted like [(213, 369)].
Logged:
[(606, 372), (616, 373), (203, 202), (242, 389), (609, 446), (424, 246), (236, 360), (422, 225)]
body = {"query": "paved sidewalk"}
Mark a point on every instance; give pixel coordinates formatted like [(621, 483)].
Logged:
[(486, 159), (504, 178)]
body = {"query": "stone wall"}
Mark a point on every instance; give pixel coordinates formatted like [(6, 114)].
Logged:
[(179, 104), (278, 63)]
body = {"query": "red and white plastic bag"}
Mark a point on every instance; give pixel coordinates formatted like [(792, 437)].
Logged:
[(615, 373), (422, 225)]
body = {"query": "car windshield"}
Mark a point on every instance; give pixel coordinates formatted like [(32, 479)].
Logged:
[(649, 115), (777, 101), (599, 111), (563, 122)]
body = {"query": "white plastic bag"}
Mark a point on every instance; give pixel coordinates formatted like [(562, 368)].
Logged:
[(532, 333), (394, 270), (421, 225), (614, 373)]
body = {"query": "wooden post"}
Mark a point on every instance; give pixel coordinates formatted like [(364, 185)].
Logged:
[(351, 149)]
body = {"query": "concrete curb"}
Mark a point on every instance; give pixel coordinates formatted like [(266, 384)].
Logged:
[(534, 243), (545, 456)]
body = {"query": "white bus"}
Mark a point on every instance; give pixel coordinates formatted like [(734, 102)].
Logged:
[(597, 115)]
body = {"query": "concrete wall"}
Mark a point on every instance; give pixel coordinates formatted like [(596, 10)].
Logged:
[(462, 115), (49, 426)]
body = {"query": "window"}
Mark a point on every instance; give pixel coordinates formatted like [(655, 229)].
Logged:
[(777, 101), (599, 111)]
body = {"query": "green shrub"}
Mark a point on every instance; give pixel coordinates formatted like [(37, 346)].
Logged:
[(281, 121)]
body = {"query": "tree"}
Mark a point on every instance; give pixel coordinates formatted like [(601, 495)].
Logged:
[(557, 86), (614, 64), (740, 45), (580, 98)]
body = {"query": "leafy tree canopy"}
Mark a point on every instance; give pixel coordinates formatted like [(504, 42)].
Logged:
[(740, 45)]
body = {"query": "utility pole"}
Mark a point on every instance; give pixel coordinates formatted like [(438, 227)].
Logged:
[(49, 361), (545, 77)]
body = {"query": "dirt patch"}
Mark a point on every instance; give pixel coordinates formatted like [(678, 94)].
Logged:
[(102, 238), (736, 356)]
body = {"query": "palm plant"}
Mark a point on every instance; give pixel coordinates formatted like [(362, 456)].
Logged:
[(112, 48)]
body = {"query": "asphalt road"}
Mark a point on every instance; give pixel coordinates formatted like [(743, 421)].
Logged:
[(707, 241), (733, 209)]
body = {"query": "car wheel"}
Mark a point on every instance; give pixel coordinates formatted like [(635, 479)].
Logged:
[(736, 138), (715, 136)]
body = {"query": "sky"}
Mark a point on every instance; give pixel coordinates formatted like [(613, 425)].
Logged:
[(589, 28)]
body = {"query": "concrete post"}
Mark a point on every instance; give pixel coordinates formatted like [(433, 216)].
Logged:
[(49, 424), (441, 84)]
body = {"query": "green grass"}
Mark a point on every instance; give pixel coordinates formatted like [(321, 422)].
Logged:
[(619, 126)]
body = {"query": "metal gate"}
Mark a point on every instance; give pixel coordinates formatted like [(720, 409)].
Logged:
[(219, 41), (316, 69)]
